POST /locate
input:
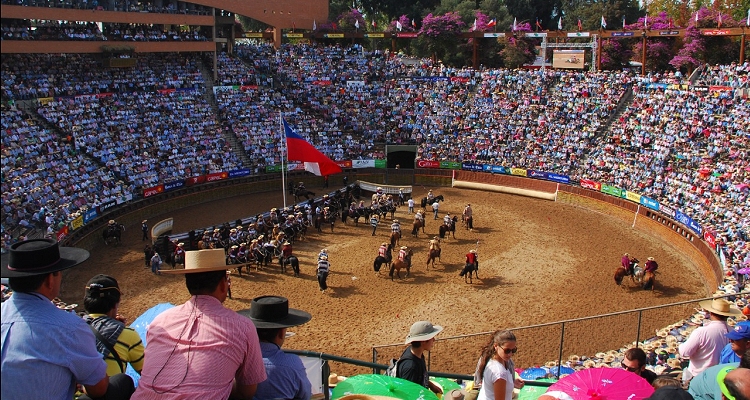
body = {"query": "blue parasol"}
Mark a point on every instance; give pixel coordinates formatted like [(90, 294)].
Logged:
[(563, 370), (532, 374), (140, 325)]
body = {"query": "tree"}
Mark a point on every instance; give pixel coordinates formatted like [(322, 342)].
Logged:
[(351, 21), (547, 11), (518, 50), (440, 36), (723, 50), (659, 50), (616, 54)]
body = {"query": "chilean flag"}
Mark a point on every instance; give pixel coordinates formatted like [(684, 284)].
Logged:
[(298, 149)]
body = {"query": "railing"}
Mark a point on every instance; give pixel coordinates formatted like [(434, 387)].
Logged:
[(572, 337), (377, 368)]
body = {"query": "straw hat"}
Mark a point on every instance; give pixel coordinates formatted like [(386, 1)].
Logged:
[(574, 358), (600, 355), (550, 364), (334, 379), (608, 358), (201, 261), (662, 333), (589, 364), (144, 221), (720, 307), (674, 363)]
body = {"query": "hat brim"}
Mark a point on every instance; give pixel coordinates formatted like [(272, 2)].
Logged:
[(69, 258), (425, 336), (294, 318), (732, 335), (196, 270), (707, 305)]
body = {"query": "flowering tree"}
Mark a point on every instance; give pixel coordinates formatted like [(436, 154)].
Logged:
[(405, 25), (616, 54), (348, 21), (518, 49), (440, 36), (723, 50), (659, 50)]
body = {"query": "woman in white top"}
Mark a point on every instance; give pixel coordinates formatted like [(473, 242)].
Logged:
[(496, 369)]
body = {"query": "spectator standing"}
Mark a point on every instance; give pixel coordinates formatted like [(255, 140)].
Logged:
[(148, 252), (410, 203), (46, 351), (374, 222), (496, 369), (322, 272), (468, 215), (436, 208), (102, 303), (412, 365), (287, 378), (704, 345), (144, 229), (228, 363), (739, 337)]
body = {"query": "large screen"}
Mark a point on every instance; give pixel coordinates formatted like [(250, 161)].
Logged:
[(568, 59)]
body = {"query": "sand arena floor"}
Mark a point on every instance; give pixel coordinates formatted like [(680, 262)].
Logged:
[(540, 261)]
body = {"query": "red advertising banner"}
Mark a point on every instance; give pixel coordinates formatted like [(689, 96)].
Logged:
[(710, 237), (428, 164), (589, 184), (344, 163), (165, 91), (715, 32), (407, 34), (459, 79), (217, 176), (321, 83), (195, 180), (62, 233), (100, 95), (248, 87), (719, 89), (153, 191)]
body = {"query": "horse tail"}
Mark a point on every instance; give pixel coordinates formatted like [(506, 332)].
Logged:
[(393, 268)]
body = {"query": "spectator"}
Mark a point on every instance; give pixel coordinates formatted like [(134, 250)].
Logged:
[(670, 393), (496, 369), (706, 387), (635, 362), (229, 361), (736, 384), (411, 365), (739, 336), (322, 272)]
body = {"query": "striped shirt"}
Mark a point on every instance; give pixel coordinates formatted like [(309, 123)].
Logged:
[(196, 350), (374, 221), (128, 346), (396, 227), (323, 266)]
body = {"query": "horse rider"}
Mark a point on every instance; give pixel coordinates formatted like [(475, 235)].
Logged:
[(396, 226), (286, 251), (419, 216), (326, 201), (301, 186), (233, 236), (323, 252), (232, 255), (402, 253), (374, 219), (430, 196), (627, 264), (447, 220), (651, 265), (435, 243), (179, 253), (383, 250), (242, 253), (471, 258), (216, 237), (274, 215), (467, 215)]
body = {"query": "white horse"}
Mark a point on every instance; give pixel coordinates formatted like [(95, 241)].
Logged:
[(638, 273)]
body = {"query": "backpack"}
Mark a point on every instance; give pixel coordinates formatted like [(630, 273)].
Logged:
[(392, 367)]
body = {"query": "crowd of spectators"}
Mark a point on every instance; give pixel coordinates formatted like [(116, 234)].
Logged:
[(50, 30), (167, 7), (734, 75), (152, 33)]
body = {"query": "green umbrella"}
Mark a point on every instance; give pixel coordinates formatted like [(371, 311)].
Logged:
[(529, 392), (446, 384), (382, 385)]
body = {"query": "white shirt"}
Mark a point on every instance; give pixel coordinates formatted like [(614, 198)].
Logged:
[(493, 371)]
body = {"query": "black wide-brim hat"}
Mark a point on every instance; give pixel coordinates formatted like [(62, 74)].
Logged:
[(269, 312), (38, 257)]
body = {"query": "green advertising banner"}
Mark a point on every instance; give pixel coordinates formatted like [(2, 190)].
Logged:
[(450, 165), (611, 190), (273, 168), (380, 163)]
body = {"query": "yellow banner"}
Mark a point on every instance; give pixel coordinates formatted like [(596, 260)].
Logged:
[(253, 34), (633, 196), (295, 35), (518, 171), (76, 223), (334, 35), (375, 35), (45, 100)]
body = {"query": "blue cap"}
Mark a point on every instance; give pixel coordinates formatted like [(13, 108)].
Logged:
[(740, 331)]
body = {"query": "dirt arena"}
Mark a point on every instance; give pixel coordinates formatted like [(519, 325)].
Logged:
[(540, 262)]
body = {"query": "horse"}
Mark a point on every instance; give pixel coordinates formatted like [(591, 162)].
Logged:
[(113, 233), (291, 260), (398, 265), (434, 254), (449, 228), (299, 193), (380, 260), (438, 198), (395, 238), (621, 272), (418, 223), (468, 269), (649, 280)]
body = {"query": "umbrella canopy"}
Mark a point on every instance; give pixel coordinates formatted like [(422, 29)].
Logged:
[(446, 384), (563, 370), (744, 270), (140, 325), (531, 374), (529, 392), (382, 385), (604, 383)]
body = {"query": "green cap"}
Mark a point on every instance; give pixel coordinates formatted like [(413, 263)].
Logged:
[(720, 380)]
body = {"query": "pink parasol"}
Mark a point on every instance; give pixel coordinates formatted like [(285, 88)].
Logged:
[(744, 271), (604, 384)]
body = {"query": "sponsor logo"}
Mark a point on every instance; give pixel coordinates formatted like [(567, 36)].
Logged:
[(715, 32), (669, 33), (623, 34), (174, 185), (428, 164), (334, 35), (536, 174), (498, 35), (153, 191), (344, 163), (558, 178), (239, 172), (407, 35), (106, 206), (216, 176)]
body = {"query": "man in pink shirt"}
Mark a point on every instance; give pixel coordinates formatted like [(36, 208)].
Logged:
[(201, 349), (704, 345)]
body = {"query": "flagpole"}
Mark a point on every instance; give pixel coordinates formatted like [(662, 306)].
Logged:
[(283, 157)]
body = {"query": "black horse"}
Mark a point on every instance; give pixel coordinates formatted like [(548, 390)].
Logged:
[(299, 193), (468, 269), (113, 233), (380, 260), (291, 260), (424, 201), (449, 228)]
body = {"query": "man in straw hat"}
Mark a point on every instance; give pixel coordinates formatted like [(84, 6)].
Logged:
[(201, 349), (322, 271), (703, 346), (287, 378), (412, 365), (144, 229), (47, 351)]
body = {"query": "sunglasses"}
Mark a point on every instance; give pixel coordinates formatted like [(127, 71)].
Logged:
[(625, 367), (508, 351)]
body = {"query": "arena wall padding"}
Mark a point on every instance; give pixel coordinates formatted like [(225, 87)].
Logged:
[(504, 189)]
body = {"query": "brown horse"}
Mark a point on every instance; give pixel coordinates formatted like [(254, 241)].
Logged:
[(397, 265), (620, 274), (415, 227), (395, 238), (649, 280), (434, 254)]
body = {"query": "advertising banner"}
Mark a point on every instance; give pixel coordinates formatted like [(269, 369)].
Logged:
[(611, 190), (666, 210), (380, 163), (334, 35), (468, 166), (174, 185), (62, 233), (710, 237), (76, 223), (558, 178), (623, 34), (450, 165), (152, 191), (217, 176), (321, 82), (407, 34), (518, 171), (650, 203), (428, 164), (496, 35), (344, 163), (273, 168), (237, 173), (632, 196), (684, 219), (589, 184), (89, 215), (363, 163), (45, 100), (374, 35), (106, 206), (495, 169), (532, 173), (355, 83), (195, 180)]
